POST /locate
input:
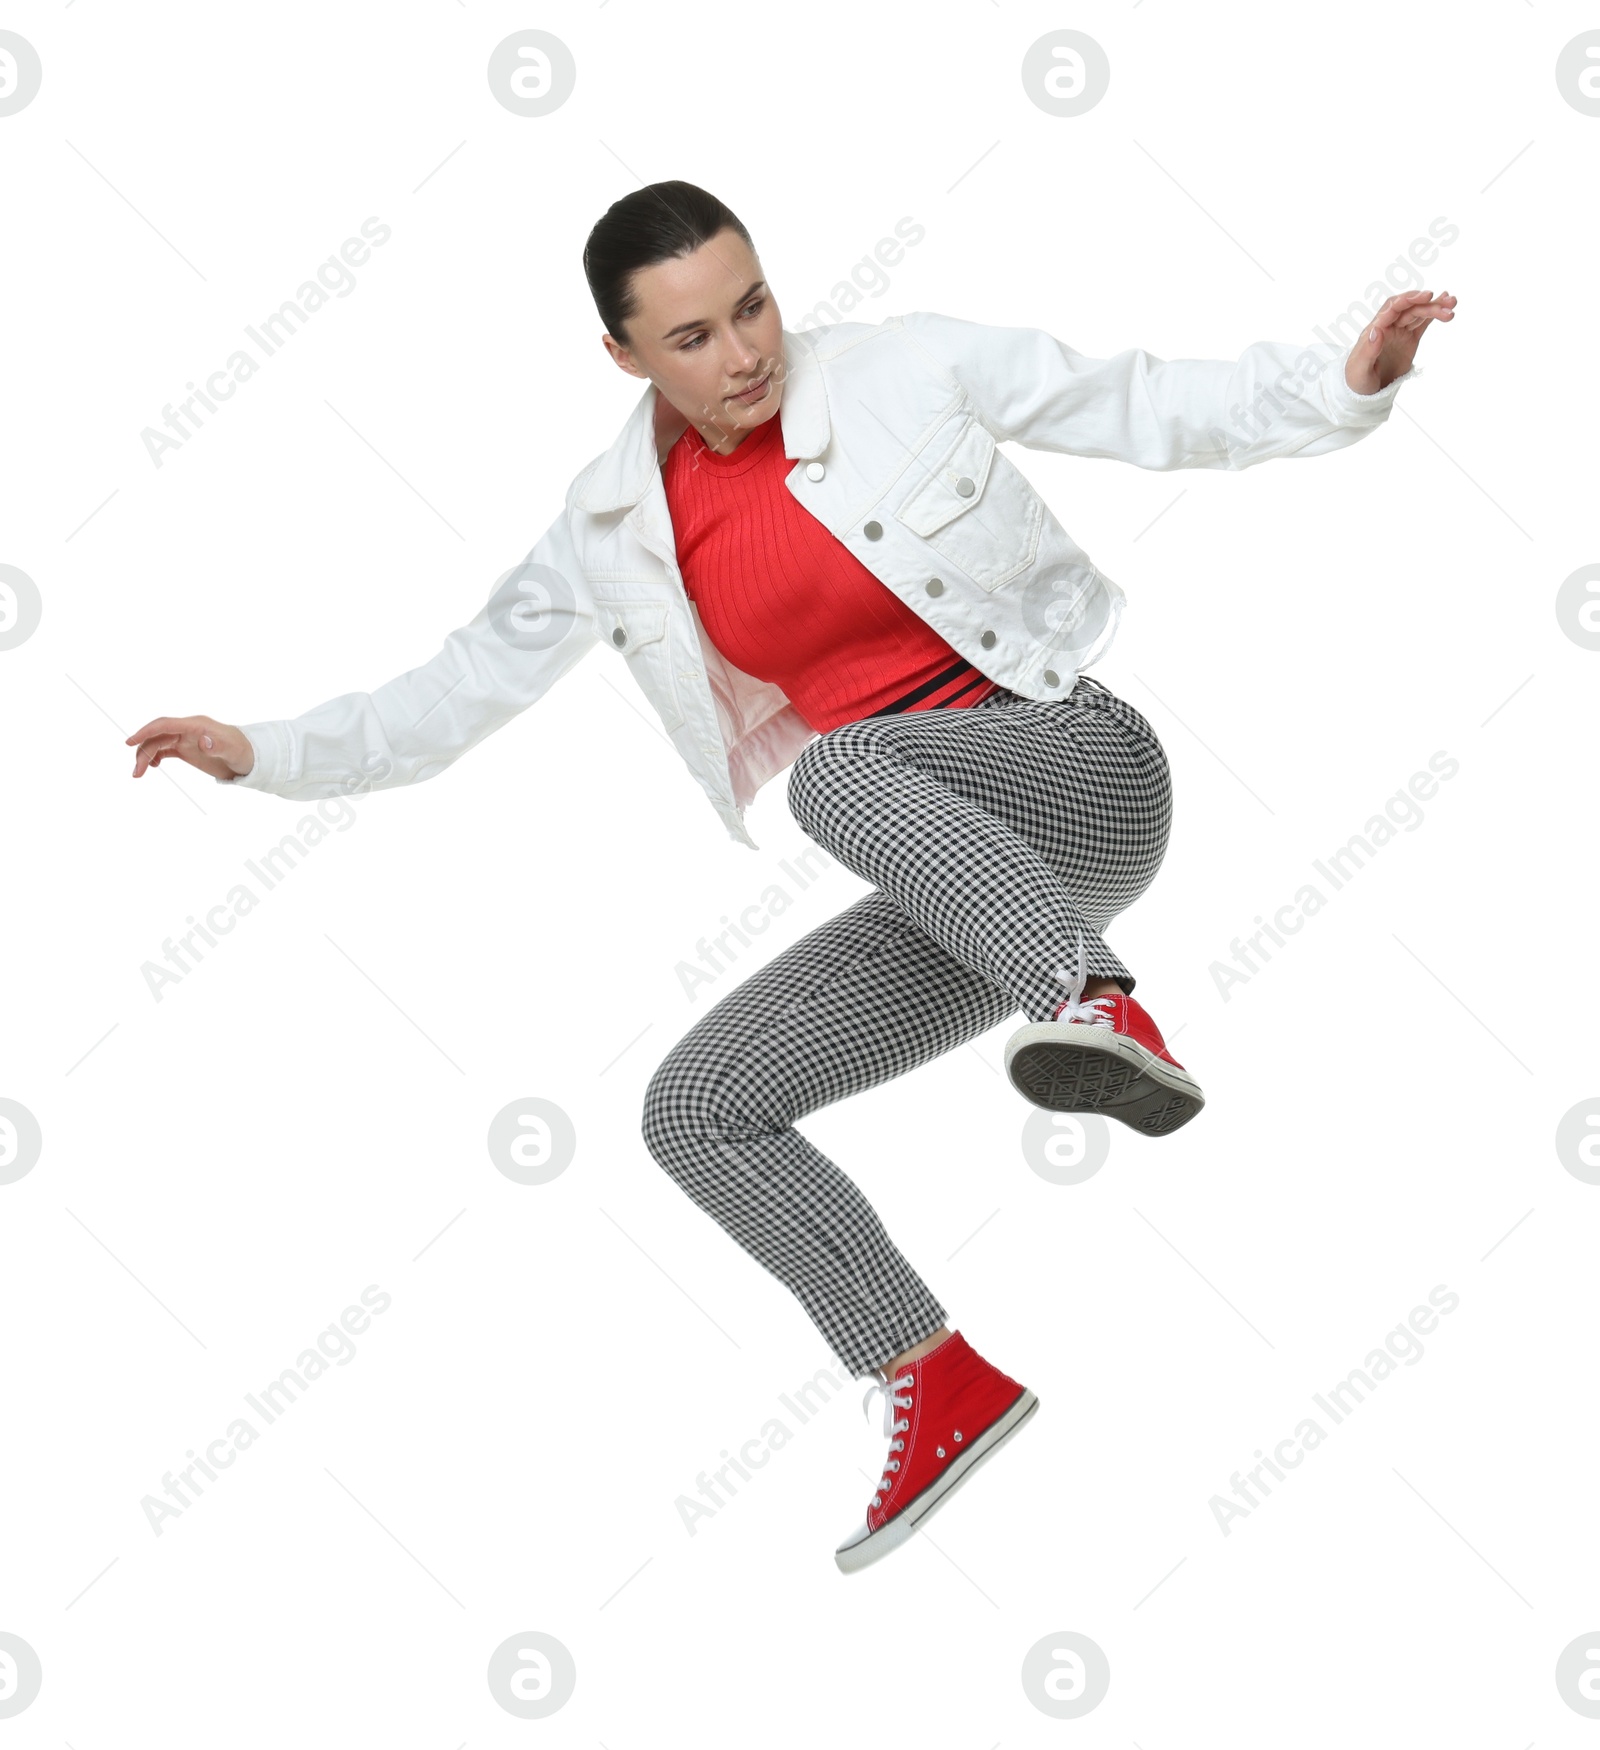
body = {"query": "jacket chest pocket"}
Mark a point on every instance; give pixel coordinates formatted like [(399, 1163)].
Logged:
[(639, 631), (976, 509)]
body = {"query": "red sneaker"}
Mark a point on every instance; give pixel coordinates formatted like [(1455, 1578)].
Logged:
[(954, 1412), (1105, 1055)]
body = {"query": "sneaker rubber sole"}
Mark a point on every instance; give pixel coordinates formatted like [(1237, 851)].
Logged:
[(852, 1557), (1055, 1066)]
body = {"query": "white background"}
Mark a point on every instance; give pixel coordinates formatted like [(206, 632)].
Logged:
[(223, 1171)]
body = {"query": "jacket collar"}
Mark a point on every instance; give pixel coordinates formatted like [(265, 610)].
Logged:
[(624, 472)]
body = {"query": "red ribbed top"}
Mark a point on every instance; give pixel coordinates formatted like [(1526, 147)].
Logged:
[(787, 602)]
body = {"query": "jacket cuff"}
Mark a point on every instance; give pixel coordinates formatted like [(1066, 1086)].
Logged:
[(1347, 406), (270, 744)]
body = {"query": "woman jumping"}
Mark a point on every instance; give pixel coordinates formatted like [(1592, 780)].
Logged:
[(812, 554)]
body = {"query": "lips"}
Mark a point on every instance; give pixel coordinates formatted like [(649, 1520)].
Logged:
[(754, 389)]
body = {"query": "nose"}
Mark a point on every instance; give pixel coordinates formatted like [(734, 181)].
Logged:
[(756, 371), (743, 361)]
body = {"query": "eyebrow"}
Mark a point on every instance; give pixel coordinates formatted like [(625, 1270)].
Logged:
[(704, 322)]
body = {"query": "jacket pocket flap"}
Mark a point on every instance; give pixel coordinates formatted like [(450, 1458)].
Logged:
[(953, 485), (627, 625)]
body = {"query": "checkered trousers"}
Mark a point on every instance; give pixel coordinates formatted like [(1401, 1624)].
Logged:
[(996, 836)]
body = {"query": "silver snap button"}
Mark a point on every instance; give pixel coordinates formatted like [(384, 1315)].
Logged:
[(965, 487), (815, 470), (619, 637), (873, 531), (935, 586), (987, 640), (1051, 678)]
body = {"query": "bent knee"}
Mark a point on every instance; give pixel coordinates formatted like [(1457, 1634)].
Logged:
[(667, 1100), (814, 775), (700, 1095), (684, 1102)]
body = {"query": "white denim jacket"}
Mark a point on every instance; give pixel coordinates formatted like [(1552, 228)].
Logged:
[(894, 431)]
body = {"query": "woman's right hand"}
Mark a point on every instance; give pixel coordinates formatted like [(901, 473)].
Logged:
[(217, 749)]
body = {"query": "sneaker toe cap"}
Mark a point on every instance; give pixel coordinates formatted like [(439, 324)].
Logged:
[(859, 1536)]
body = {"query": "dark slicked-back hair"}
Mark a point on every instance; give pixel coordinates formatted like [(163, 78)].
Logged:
[(655, 223)]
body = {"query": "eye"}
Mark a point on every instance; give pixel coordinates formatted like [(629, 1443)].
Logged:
[(692, 344)]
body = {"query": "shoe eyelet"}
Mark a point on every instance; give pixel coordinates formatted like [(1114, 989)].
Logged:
[(958, 1433), (941, 1452)]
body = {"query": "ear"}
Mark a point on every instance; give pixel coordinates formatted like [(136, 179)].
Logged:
[(620, 356)]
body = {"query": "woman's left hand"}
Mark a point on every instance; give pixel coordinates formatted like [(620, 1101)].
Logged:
[(1388, 343)]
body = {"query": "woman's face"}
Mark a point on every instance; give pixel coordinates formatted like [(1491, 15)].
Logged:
[(706, 329)]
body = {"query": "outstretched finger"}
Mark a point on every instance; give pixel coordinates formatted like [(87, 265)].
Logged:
[(1393, 311), (150, 751), (1440, 310), (156, 725)]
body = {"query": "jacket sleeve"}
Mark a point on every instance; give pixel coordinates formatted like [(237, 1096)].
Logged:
[(537, 623), (1278, 398)]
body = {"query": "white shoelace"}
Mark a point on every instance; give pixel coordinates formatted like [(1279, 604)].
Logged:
[(891, 1403), (1097, 1012)]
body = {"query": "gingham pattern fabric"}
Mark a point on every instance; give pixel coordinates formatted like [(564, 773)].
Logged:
[(994, 835)]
